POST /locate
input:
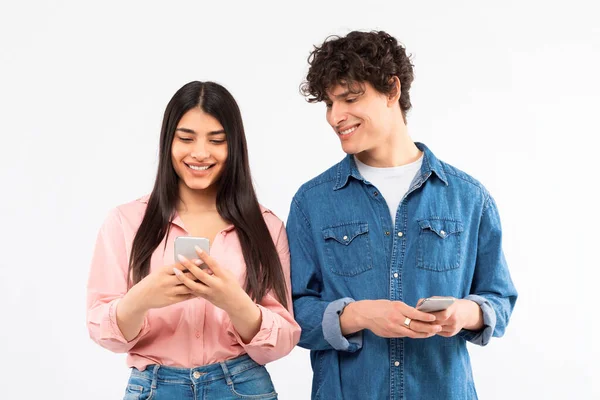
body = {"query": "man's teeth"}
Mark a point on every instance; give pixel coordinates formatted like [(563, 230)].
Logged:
[(195, 168), (347, 131)]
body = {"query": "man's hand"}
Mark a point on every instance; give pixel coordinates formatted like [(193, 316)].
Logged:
[(387, 318)]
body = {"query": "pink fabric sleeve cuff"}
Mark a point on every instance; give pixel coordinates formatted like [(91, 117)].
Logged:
[(267, 334), (111, 329)]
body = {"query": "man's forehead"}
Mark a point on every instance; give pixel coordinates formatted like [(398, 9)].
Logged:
[(344, 88)]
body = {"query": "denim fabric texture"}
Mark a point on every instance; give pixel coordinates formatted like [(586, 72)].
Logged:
[(240, 378), (446, 241)]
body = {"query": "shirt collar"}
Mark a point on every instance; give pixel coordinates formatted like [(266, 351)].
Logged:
[(347, 168)]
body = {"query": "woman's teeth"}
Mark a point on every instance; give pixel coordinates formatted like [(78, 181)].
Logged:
[(196, 168)]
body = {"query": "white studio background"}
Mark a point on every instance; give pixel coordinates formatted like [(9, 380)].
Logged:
[(507, 92)]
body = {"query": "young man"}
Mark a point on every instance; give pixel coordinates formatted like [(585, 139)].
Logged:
[(387, 226)]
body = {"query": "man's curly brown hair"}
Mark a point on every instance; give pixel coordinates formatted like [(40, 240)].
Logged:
[(373, 57)]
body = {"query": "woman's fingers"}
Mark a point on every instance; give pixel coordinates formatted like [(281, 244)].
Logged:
[(196, 271), (196, 288)]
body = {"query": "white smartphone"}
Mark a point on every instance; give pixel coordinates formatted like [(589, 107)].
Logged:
[(434, 304), (184, 245)]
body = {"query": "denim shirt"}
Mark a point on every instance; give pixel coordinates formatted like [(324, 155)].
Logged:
[(447, 241)]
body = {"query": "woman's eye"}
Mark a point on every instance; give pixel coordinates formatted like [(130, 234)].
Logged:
[(185, 139), (217, 141)]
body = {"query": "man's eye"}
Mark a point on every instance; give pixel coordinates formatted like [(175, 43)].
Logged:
[(351, 100), (328, 105)]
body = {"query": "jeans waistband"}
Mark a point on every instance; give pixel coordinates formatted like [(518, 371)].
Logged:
[(198, 375)]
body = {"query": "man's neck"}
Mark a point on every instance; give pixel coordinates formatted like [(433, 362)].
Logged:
[(398, 149)]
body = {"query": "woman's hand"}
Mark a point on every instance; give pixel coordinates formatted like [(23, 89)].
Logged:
[(221, 288), (159, 289), (215, 284)]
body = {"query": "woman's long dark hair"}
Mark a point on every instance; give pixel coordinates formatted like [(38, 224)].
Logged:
[(236, 199)]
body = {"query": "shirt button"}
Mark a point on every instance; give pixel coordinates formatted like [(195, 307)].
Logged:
[(400, 234), (196, 374), (375, 194), (397, 363), (387, 233), (345, 237), (395, 274), (443, 233)]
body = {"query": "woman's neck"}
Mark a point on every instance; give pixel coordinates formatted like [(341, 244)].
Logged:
[(196, 201)]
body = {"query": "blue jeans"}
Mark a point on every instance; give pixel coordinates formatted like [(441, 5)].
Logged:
[(240, 378)]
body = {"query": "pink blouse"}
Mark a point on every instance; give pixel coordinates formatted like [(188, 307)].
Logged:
[(194, 332)]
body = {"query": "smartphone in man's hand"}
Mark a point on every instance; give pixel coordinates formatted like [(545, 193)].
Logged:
[(435, 304)]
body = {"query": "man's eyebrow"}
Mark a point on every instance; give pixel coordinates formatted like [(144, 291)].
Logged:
[(342, 95)]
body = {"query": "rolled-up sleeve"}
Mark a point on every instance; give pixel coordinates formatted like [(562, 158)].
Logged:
[(492, 288), (279, 332), (107, 284), (332, 330), (318, 318)]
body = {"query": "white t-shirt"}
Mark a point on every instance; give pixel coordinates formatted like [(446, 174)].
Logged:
[(392, 182)]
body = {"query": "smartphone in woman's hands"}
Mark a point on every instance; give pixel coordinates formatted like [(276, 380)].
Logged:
[(185, 245)]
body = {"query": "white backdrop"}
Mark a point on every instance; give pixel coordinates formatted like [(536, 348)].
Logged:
[(507, 92)]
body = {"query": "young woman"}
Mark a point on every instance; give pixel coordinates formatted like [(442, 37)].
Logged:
[(191, 332)]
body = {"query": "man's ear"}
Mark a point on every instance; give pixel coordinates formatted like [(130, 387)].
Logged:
[(394, 95)]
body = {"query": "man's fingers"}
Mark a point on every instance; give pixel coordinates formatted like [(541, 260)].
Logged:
[(422, 327), (413, 314), (414, 334), (443, 315)]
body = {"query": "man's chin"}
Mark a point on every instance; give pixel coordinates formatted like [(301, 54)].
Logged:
[(351, 150)]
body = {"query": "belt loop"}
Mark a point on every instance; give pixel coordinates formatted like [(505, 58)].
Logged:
[(155, 376), (227, 374)]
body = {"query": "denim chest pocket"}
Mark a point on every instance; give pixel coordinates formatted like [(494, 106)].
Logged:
[(347, 248), (439, 247)]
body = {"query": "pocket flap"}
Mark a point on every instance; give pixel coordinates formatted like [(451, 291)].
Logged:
[(345, 233), (442, 227)]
